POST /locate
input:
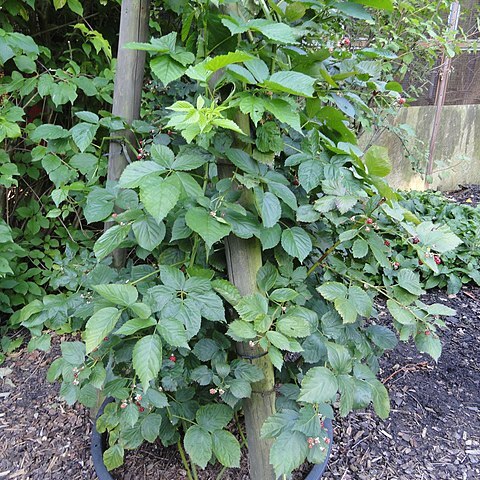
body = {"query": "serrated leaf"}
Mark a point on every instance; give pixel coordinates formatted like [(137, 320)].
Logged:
[(110, 240), (210, 229), (377, 161), (310, 174), (288, 452), (99, 325), (135, 172), (173, 331), (214, 416), (198, 445), (293, 326), (83, 134), (118, 294), (147, 359), (150, 427), (148, 232), (360, 299), (240, 330), (271, 211), (73, 352), (429, 344), (347, 309), (132, 326), (410, 281), (318, 385), (401, 313), (166, 69), (332, 290), (159, 196), (113, 457), (228, 291), (295, 83), (359, 248), (296, 242), (226, 448)]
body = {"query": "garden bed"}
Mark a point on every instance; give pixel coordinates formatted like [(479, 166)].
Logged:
[(432, 432)]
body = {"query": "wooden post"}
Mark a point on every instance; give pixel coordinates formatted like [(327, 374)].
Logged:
[(244, 258), (128, 89)]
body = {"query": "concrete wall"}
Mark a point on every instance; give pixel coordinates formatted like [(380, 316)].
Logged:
[(457, 154)]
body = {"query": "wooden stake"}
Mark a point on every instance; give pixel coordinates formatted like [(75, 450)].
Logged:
[(244, 258), (128, 90)]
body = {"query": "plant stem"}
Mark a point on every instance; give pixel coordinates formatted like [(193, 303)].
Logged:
[(184, 460)]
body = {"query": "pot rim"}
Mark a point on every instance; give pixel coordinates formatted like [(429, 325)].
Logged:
[(98, 446)]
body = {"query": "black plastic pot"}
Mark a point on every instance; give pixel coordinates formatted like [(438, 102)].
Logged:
[(99, 442)]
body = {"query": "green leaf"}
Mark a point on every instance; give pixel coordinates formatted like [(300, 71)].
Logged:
[(166, 69), (382, 336), (296, 242), (288, 452), (214, 416), (198, 445), (271, 211), (381, 401), (118, 294), (150, 427), (100, 204), (276, 31), (380, 4), (308, 423), (222, 61), (135, 172), (83, 134), (191, 157), (228, 291), (284, 112), (377, 161), (147, 359), (110, 240), (75, 6), (318, 385), (132, 326), (410, 281), (339, 358), (207, 226), (429, 344), (293, 326), (113, 457), (359, 248), (48, 132), (148, 232), (162, 155), (99, 326), (310, 174), (332, 290), (240, 330), (73, 352), (283, 295), (226, 448), (400, 313), (347, 309), (360, 299), (159, 196), (156, 398), (353, 10), (252, 306), (173, 332), (291, 82)]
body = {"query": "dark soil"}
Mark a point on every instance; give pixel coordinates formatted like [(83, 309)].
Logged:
[(469, 194)]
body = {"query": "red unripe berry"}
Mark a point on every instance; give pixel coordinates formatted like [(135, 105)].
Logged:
[(427, 332), (173, 358), (346, 41), (369, 221), (387, 243), (114, 215), (401, 101), (295, 182), (105, 339), (415, 240), (420, 262), (141, 409), (437, 259), (396, 265)]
